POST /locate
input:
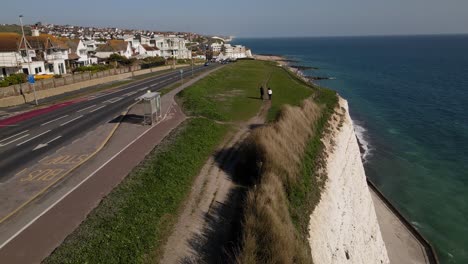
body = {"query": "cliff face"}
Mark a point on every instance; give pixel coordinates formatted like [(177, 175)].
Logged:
[(343, 226)]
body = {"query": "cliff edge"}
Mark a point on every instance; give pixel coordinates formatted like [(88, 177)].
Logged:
[(343, 227)]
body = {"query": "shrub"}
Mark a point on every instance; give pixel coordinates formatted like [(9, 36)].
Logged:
[(13, 79), (93, 68), (152, 62)]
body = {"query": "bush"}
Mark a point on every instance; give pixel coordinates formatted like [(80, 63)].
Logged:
[(152, 62), (121, 60), (93, 68), (13, 79)]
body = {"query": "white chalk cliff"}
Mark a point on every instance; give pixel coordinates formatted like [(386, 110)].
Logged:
[(343, 227)]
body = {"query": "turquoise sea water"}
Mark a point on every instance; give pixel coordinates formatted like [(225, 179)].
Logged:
[(408, 97)]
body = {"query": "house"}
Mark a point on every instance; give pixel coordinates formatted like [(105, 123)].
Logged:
[(10, 57), (173, 47), (216, 47), (51, 50), (14, 59), (114, 46), (145, 50), (78, 54)]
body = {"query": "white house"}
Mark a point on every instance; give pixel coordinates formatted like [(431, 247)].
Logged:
[(216, 47), (78, 54), (145, 50), (114, 46), (51, 51), (172, 47), (47, 55), (234, 52)]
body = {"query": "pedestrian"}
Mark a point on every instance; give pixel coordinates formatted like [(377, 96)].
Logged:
[(262, 92), (270, 93)]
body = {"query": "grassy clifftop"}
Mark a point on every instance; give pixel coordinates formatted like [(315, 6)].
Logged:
[(133, 222)]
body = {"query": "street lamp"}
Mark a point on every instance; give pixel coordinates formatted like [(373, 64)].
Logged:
[(27, 54)]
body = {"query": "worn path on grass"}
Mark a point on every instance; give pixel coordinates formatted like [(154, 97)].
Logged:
[(204, 229), (47, 229)]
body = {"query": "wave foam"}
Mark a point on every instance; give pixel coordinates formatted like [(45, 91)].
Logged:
[(361, 134)]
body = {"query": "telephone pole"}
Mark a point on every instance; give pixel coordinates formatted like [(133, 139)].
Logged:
[(27, 54)]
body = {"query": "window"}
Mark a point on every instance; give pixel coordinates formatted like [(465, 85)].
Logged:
[(51, 67), (37, 70), (23, 53)]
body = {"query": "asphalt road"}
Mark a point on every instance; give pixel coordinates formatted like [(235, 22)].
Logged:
[(29, 141)]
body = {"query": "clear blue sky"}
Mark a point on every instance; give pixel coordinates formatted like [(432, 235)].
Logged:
[(263, 18)]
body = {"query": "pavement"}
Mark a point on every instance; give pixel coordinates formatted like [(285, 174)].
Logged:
[(401, 243), (74, 187)]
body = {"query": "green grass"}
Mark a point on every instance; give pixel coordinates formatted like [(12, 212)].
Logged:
[(135, 219), (231, 94), (287, 89), (133, 222), (305, 194)]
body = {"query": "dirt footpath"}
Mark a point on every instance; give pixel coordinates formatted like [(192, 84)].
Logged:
[(204, 228)]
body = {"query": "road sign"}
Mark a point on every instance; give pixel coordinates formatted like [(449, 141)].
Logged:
[(181, 71), (31, 79)]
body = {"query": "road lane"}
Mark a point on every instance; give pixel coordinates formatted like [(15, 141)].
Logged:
[(14, 158)]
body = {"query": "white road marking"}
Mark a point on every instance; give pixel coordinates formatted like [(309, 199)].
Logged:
[(33, 138), (46, 144), (70, 191), (86, 108), (2, 145), (98, 108), (54, 120), (69, 121), (130, 93), (113, 100), (14, 135)]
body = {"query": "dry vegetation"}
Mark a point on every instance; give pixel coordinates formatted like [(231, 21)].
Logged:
[(271, 231)]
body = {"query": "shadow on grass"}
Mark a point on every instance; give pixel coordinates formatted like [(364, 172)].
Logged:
[(255, 98), (218, 241)]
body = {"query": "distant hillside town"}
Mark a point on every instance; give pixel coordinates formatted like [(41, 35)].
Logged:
[(48, 49)]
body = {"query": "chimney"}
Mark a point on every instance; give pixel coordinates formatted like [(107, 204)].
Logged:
[(35, 32)]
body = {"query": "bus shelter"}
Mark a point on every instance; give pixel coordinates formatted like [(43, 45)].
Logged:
[(151, 102)]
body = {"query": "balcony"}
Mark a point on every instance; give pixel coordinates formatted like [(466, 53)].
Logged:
[(56, 56)]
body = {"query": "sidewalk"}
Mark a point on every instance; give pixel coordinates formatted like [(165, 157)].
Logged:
[(49, 219)]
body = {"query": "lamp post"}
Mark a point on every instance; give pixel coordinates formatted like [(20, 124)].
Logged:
[(27, 54), (192, 66)]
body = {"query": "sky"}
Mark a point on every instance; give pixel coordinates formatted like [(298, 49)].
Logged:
[(252, 18)]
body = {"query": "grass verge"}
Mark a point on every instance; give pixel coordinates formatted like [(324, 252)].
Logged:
[(136, 217), (232, 93)]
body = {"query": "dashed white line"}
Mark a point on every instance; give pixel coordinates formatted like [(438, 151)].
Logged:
[(53, 139), (33, 137), (113, 100), (2, 145), (14, 135), (86, 108), (98, 108), (54, 120), (69, 121)]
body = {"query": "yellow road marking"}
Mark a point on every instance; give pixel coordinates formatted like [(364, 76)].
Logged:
[(70, 170)]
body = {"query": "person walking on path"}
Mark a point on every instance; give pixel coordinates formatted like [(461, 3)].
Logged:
[(270, 93), (262, 92)]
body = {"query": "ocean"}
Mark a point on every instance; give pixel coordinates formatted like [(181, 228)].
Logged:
[(408, 98)]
